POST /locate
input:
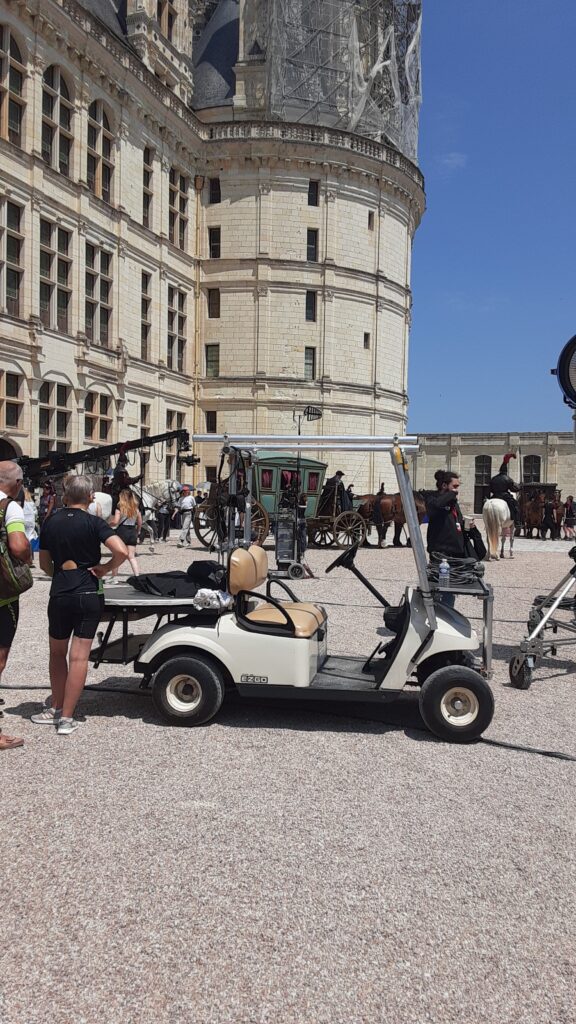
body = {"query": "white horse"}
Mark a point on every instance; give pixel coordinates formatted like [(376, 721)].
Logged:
[(499, 525)]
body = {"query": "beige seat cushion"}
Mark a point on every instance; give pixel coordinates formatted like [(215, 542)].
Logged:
[(303, 617), (314, 609)]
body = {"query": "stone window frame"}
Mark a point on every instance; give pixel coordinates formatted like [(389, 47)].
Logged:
[(145, 314), (312, 245), (314, 192), (55, 288), (214, 303), (57, 120), (175, 420), (12, 91), (311, 312), (177, 337), (98, 409), (148, 154), (100, 152), (178, 192), (532, 469), (12, 400), (166, 15), (310, 367), (215, 242), (12, 263), (54, 402), (98, 293), (212, 360), (214, 191)]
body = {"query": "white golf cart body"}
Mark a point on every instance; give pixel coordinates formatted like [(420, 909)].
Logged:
[(268, 647), (253, 661)]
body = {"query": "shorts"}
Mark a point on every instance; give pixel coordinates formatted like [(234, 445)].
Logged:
[(74, 613), (129, 534), (8, 622)]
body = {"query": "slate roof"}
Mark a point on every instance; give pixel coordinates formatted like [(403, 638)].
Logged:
[(112, 14), (215, 54)]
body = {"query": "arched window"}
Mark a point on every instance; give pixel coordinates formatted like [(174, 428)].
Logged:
[(532, 464), (12, 76), (57, 113), (100, 142)]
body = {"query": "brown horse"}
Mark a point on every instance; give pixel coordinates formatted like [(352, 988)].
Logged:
[(384, 509), (533, 515)]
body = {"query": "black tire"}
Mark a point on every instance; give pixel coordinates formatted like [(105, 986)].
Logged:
[(436, 661), (456, 704), (520, 673), (188, 690)]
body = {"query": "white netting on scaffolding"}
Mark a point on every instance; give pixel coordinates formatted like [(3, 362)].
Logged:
[(349, 64)]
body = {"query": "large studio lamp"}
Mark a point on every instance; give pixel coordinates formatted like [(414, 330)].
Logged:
[(566, 372), (566, 375)]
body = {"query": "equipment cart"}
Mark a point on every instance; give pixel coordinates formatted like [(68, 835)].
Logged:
[(544, 628)]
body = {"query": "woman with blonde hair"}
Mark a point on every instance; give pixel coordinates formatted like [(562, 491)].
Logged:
[(127, 522)]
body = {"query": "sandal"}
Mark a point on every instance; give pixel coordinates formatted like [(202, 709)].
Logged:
[(10, 742)]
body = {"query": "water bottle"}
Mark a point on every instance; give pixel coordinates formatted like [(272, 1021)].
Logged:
[(444, 574)]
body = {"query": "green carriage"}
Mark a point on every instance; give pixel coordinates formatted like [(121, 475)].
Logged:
[(278, 478)]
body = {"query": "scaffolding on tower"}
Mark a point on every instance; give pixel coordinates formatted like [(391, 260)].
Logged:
[(347, 64)]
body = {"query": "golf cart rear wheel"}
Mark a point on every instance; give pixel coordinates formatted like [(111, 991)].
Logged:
[(456, 704), (188, 690), (520, 672)]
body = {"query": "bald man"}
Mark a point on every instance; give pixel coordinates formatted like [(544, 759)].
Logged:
[(19, 548)]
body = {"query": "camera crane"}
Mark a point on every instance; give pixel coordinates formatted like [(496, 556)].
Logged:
[(35, 470)]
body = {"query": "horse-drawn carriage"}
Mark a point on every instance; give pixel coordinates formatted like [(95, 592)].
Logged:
[(278, 479)]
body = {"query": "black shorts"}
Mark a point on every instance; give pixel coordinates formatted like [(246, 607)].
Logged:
[(129, 534), (8, 622), (74, 613)]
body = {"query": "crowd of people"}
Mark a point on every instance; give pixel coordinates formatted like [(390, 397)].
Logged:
[(70, 534)]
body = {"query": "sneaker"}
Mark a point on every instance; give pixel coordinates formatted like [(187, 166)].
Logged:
[(179, 545), (49, 716), (67, 725)]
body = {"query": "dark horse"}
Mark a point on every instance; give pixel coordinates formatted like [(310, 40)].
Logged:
[(384, 509)]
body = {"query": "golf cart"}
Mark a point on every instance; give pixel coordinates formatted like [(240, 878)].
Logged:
[(271, 647)]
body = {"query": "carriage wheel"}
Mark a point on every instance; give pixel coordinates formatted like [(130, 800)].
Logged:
[(321, 536), (349, 529), (260, 523), (205, 526)]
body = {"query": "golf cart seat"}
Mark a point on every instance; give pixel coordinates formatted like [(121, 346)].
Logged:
[(248, 569)]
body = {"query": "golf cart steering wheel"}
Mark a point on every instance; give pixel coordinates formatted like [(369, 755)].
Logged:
[(346, 559)]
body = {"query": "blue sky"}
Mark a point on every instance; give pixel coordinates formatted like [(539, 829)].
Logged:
[(495, 256)]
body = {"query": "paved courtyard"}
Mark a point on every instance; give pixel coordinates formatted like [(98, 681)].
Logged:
[(331, 864)]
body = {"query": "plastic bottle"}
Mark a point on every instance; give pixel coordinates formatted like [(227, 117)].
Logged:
[(444, 574)]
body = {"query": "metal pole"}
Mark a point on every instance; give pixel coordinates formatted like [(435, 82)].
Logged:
[(401, 470), (315, 439)]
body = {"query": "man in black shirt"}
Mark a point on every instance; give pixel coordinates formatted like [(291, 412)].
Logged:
[(70, 545)]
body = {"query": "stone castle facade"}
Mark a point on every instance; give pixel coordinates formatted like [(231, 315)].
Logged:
[(169, 256), (547, 458)]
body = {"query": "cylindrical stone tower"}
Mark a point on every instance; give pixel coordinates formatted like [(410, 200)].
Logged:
[(310, 201)]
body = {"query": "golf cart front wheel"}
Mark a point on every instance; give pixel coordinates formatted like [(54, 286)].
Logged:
[(188, 690), (520, 672), (456, 704)]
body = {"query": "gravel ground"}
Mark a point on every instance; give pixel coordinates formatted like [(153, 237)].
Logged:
[(325, 865)]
